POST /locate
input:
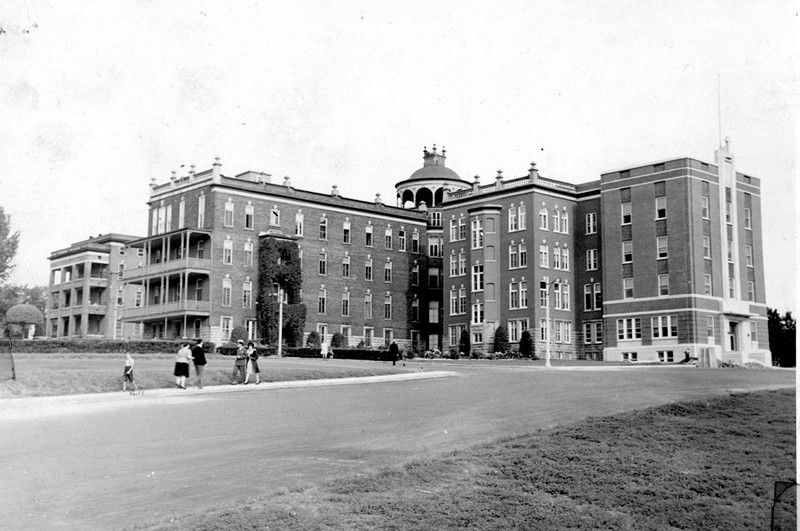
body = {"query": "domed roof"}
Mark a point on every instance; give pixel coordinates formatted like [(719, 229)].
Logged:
[(434, 168)]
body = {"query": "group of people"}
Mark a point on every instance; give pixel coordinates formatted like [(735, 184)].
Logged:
[(246, 364), (189, 351)]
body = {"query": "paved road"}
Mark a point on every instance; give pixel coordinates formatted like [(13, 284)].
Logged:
[(142, 458)]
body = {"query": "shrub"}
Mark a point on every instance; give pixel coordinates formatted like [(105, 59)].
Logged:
[(312, 340), (526, 344), (501, 344), (70, 346), (229, 349), (346, 353), (338, 341), (238, 332)]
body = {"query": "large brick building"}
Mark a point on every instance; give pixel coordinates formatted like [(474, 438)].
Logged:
[(643, 264)]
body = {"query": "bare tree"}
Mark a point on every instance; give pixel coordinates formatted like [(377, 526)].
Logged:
[(8, 245)]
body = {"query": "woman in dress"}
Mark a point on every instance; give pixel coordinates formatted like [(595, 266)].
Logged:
[(181, 371), (252, 363)]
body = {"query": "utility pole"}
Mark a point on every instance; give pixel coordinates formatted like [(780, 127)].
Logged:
[(280, 320)]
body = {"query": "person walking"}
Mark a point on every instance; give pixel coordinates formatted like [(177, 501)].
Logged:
[(252, 363), (199, 355), (239, 365), (127, 375), (394, 352), (181, 371)]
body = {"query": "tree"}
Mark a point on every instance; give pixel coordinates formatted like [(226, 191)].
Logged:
[(501, 344), (337, 340), (526, 344), (238, 332), (11, 294), (782, 337), (463, 343), (8, 245), (313, 339)]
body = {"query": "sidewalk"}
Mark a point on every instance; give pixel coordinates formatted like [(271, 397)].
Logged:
[(56, 406)]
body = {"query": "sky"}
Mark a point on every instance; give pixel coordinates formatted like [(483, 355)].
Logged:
[(97, 98)]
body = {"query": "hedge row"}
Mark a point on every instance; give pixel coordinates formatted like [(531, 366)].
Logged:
[(67, 346), (312, 352)]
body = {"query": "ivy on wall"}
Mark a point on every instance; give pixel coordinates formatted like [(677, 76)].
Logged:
[(279, 263)]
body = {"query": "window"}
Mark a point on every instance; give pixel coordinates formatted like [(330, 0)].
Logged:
[(453, 301), (556, 221), (477, 338), (748, 219), (322, 301), (201, 211), (748, 255), (247, 294), (477, 277), (182, 214), (513, 257), (563, 331), (627, 252), (630, 356), (226, 324), (415, 272), (434, 247), (544, 256), (556, 258), (387, 307), (248, 254), (323, 228), (522, 221), (564, 222), (346, 232), (513, 296), (346, 267), (598, 296), (415, 310), (368, 236), (477, 313), (401, 240), (627, 288), (387, 244), (587, 333), (665, 356), (557, 295), (707, 286), (591, 259), (754, 334), (462, 301), (387, 272), (663, 284), (751, 291), (433, 312), (661, 247), (626, 213), (630, 328), (543, 218), (226, 292), (345, 304), (513, 223), (228, 218), (323, 263), (477, 233), (587, 297), (436, 219), (591, 223), (710, 326), (462, 228), (543, 330), (598, 332), (120, 297), (137, 301), (453, 265), (227, 252), (368, 306), (523, 255), (706, 246), (249, 217), (368, 269), (664, 326), (704, 208), (415, 242), (661, 207), (515, 329), (462, 263), (298, 224), (731, 287), (728, 208), (543, 298), (523, 294), (453, 230)]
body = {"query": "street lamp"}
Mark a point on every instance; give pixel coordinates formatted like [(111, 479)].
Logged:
[(548, 283), (280, 320)]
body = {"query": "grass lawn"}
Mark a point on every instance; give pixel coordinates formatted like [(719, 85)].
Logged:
[(692, 465), (64, 374)]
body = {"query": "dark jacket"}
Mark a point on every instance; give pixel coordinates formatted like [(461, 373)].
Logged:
[(199, 355), (393, 351)]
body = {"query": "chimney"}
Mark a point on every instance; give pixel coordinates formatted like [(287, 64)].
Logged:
[(378, 200), (476, 183), (335, 191), (533, 173), (499, 179), (215, 175)]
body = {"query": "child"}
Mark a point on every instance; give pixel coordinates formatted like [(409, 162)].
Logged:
[(127, 375)]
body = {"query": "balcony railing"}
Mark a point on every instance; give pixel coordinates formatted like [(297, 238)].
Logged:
[(168, 267), (155, 310)]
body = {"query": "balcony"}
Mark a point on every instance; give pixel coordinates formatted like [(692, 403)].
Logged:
[(170, 266), (93, 308), (169, 308)]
